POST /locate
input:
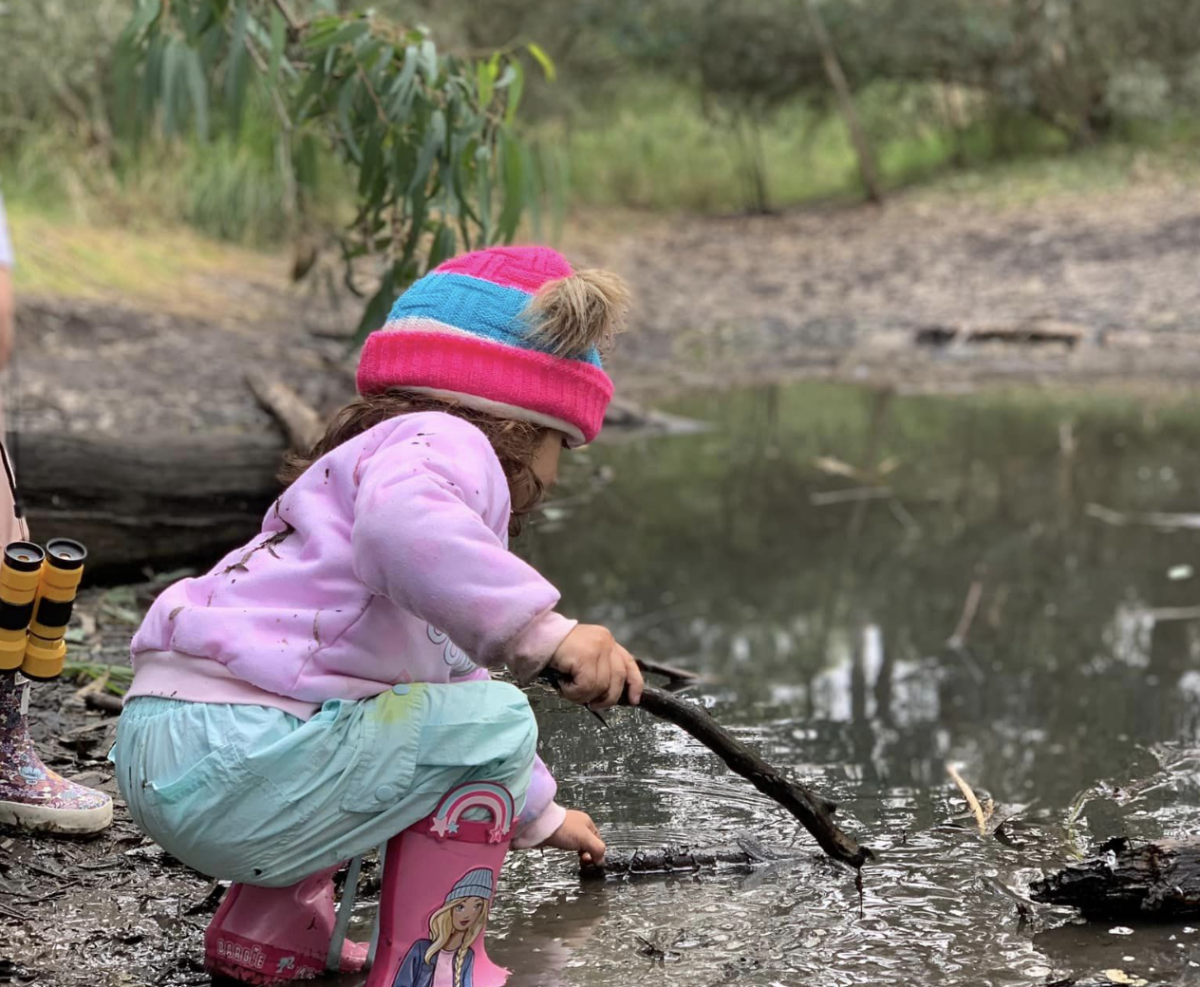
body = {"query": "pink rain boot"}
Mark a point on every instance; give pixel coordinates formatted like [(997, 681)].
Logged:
[(273, 935), (439, 877)]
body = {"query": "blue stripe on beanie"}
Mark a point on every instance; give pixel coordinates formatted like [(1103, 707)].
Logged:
[(490, 311)]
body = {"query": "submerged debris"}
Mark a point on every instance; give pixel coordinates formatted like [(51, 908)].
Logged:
[(745, 855)]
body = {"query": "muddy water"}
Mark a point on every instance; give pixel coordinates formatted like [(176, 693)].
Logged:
[(822, 630)]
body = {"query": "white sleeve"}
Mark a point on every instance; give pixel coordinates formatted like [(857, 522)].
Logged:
[(6, 254)]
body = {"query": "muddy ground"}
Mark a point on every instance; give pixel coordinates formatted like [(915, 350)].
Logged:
[(839, 293), (833, 293)]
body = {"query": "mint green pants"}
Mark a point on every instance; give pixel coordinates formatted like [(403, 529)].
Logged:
[(253, 794)]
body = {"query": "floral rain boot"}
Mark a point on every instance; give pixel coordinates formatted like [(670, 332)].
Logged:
[(273, 935), (439, 877), (31, 795)]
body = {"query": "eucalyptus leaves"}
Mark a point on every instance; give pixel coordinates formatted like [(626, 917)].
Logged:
[(429, 136)]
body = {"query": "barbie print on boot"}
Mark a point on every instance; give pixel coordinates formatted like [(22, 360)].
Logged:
[(446, 958)]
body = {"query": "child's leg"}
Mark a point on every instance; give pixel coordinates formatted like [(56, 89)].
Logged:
[(260, 797)]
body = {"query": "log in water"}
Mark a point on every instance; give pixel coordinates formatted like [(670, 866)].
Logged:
[(1159, 880)]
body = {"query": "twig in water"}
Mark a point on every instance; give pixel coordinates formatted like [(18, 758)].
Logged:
[(849, 496), (980, 816), (967, 618), (1153, 519), (1159, 614)]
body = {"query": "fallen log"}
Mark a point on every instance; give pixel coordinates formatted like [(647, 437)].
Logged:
[(1159, 880), (149, 500), (162, 499), (678, 860), (814, 812)]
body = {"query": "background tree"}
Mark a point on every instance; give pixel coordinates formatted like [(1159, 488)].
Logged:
[(428, 137)]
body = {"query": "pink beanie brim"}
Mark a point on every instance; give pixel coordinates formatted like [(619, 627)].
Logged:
[(568, 395)]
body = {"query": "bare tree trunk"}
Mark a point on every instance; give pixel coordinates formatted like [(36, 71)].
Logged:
[(837, 78)]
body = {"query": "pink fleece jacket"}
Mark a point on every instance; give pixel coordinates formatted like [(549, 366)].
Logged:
[(386, 562)]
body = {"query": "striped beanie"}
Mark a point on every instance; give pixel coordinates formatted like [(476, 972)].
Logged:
[(509, 331)]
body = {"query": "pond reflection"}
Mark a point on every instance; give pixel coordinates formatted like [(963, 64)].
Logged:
[(874, 585)]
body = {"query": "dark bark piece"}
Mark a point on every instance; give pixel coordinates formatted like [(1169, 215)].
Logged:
[(677, 860), (1151, 880), (103, 701), (149, 500)]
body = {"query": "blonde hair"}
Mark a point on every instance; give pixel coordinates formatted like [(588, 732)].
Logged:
[(441, 931)]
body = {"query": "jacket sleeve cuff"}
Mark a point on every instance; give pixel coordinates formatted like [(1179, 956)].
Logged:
[(537, 644), (541, 829)]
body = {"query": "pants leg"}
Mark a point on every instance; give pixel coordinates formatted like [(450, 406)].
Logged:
[(260, 797)]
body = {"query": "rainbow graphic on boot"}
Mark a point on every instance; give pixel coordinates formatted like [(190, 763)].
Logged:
[(493, 798)]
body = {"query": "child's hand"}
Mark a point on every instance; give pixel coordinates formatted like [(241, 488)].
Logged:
[(579, 833), (596, 669)]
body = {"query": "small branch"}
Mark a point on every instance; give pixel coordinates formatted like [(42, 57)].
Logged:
[(967, 618), (294, 26), (672, 673), (374, 96), (1153, 519), (301, 422), (813, 811), (277, 100), (969, 794), (1159, 614), (678, 860), (849, 496)]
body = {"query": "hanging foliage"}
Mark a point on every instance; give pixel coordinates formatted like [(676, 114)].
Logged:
[(429, 136)]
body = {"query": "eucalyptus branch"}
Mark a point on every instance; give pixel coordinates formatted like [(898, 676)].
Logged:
[(281, 109), (428, 136), (294, 26)]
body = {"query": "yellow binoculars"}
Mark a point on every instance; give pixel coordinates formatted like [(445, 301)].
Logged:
[(37, 593)]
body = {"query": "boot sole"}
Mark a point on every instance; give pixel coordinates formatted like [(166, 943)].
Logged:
[(67, 822)]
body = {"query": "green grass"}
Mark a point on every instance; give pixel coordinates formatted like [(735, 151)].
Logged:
[(229, 189), (149, 226), (657, 150), (167, 267)]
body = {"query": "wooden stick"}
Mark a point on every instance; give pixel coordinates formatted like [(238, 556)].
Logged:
[(968, 794), (104, 702), (970, 608), (814, 812), (672, 673), (301, 422), (677, 860)]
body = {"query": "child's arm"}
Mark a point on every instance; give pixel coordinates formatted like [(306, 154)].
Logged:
[(429, 504), (541, 817), (579, 834)]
